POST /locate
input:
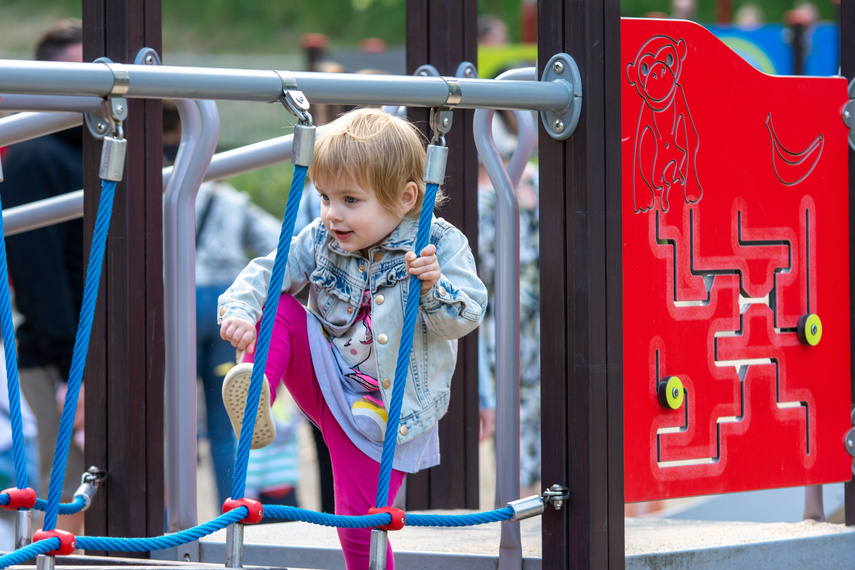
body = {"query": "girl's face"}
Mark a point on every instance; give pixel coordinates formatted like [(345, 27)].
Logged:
[(355, 217)]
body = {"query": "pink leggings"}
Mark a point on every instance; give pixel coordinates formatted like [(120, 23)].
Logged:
[(289, 359)]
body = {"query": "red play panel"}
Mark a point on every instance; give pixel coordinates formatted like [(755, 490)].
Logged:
[(736, 269)]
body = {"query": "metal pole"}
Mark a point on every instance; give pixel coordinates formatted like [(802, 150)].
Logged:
[(158, 82), (507, 305), (378, 548), (45, 562), (234, 546), (12, 102), (23, 528), (26, 126), (41, 213), (200, 130)]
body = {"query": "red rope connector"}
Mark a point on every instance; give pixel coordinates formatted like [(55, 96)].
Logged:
[(67, 542), (399, 517), (256, 511), (19, 499)]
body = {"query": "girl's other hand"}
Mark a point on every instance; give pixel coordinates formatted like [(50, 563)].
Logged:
[(240, 333), (425, 267)]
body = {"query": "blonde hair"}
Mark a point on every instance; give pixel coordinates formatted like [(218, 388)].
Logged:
[(375, 150)]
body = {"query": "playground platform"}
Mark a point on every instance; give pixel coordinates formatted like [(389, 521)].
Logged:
[(650, 543)]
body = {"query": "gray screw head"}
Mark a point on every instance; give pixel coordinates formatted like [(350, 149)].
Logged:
[(445, 122), (468, 72), (558, 67), (558, 125), (149, 59), (101, 128), (120, 109), (846, 114), (813, 329), (675, 393)]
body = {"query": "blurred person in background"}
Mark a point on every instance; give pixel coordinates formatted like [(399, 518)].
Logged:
[(46, 269)]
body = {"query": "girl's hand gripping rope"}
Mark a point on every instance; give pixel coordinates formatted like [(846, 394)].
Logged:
[(240, 333), (425, 267)]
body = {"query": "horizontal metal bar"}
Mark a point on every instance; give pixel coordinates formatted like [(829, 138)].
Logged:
[(41, 213), (26, 126), (15, 102), (158, 82)]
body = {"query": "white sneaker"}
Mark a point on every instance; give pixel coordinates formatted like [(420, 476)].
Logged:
[(235, 390)]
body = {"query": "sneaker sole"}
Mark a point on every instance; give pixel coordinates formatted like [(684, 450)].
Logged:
[(235, 390)]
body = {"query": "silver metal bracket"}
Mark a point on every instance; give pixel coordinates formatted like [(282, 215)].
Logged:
[(556, 495), (466, 70), (426, 70), (563, 69), (114, 110), (293, 99), (849, 114), (89, 483), (147, 56)]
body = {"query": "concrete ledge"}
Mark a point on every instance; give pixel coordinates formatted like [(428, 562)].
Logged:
[(677, 544)]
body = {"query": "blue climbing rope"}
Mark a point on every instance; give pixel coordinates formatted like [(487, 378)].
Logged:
[(127, 544), (11, 369), (265, 330), (410, 313), (81, 346), (371, 521), (74, 506), (30, 551)]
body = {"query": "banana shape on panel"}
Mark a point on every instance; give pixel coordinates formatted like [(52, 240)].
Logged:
[(793, 167)]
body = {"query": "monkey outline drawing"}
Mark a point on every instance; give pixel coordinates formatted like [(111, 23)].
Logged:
[(666, 141)]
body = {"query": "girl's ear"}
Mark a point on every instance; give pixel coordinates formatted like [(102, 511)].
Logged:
[(409, 197)]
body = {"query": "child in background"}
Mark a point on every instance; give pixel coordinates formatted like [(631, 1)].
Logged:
[(337, 356)]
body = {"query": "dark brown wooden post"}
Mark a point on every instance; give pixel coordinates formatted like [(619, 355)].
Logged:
[(581, 329), (847, 69), (124, 369), (443, 33)]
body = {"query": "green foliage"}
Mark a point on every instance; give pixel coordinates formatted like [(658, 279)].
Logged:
[(773, 10), (267, 187)]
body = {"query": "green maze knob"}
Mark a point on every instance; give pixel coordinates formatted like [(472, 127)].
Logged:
[(670, 391), (810, 329)]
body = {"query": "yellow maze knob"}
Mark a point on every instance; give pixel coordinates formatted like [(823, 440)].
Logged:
[(810, 329), (670, 392)]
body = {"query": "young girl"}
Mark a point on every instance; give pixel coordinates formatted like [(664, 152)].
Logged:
[(337, 356)]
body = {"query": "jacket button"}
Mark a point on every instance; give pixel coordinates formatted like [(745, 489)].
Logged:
[(222, 311), (379, 299), (350, 310), (382, 338), (378, 256), (387, 383), (442, 291), (404, 430), (362, 269)]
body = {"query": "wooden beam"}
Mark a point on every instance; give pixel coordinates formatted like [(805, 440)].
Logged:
[(581, 328), (847, 69), (443, 33), (124, 371)]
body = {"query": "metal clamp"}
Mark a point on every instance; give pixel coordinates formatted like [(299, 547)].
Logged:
[(114, 109), (303, 146), (563, 69), (89, 483), (293, 99), (556, 495), (437, 152), (121, 77)]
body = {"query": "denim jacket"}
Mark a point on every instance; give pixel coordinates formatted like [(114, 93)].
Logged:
[(452, 308)]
